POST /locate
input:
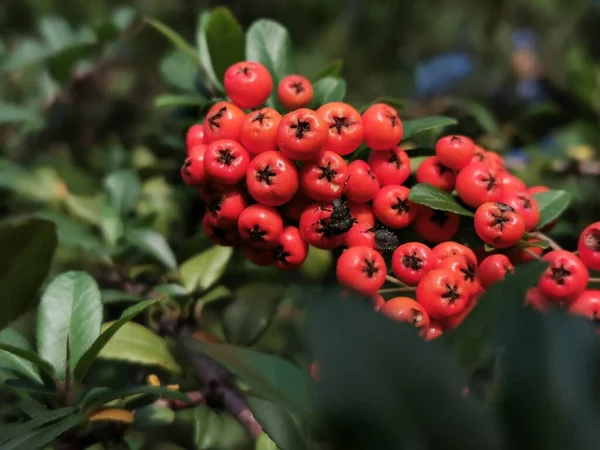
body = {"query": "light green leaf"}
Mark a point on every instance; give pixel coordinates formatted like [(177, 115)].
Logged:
[(328, 90), (317, 264), (552, 204), (204, 269), (111, 224), (428, 195), (152, 416), (178, 71), (416, 126), (16, 114), (176, 40), (45, 435), (225, 40), (176, 101), (13, 363), (204, 51), (264, 442), (86, 208), (154, 244), (480, 113), (18, 430), (123, 189)]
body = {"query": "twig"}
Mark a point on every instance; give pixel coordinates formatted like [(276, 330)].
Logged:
[(530, 253), (398, 289), (393, 280), (543, 237), (594, 280)]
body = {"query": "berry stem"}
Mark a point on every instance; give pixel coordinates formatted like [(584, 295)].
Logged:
[(533, 255), (542, 236), (594, 280), (393, 280), (398, 289)]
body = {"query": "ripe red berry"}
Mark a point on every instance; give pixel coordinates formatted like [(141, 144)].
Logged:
[(433, 172), (499, 225), (434, 331), (411, 261), (406, 310), (323, 179), (450, 248), (391, 166), (435, 225), (442, 293), (361, 235), (361, 212), (493, 269), (478, 183), (192, 171), (455, 151), (480, 154), (294, 91), (223, 121), (260, 226), (589, 246), (511, 182), (260, 257), (361, 184), (259, 130), (301, 134), (495, 160), (292, 249), (219, 234), (393, 208), (525, 205), (226, 161), (361, 269), (464, 268), (248, 84), (315, 227), (194, 136), (272, 179), (377, 300), (345, 127), (383, 127), (588, 305), (226, 206), (565, 278)]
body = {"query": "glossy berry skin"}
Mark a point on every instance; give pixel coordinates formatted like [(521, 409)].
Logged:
[(345, 128), (226, 162), (323, 178), (464, 268), (220, 235), (377, 300), (260, 226), (259, 131), (589, 246), (362, 212), (443, 294), (248, 84), (226, 205), (361, 269), (391, 166), (360, 235), (272, 179), (292, 249), (588, 305), (293, 209), (524, 204), (411, 261), (433, 172), (565, 278), (194, 136), (301, 134), (393, 208), (494, 160), (499, 225), (314, 227), (435, 225), (434, 331), (407, 310), (450, 248), (223, 121), (479, 155), (294, 91), (259, 257), (478, 183), (455, 152), (383, 127), (361, 184), (192, 170), (493, 269), (510, 182)]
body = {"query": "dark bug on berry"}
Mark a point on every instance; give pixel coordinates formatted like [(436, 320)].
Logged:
[(340, 221), (386, 241)]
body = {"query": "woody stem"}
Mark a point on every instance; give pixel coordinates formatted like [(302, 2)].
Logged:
[(542, 236)]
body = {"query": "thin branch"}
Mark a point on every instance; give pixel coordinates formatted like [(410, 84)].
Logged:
[(594, 280), (533, 255), (543, 237), (398, 289), (393, 280)]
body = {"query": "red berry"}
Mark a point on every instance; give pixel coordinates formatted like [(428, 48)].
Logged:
[(435, 225), (495, 160), (393, 208), (478, 183), (272, 179), (480, 155), (493, 269), (499, 225), (226, 206), (434, 331), (383, 127), (442, 293), (446, 249), (361, 184), (411, 261), (220, 235), (260, 257), (226, 162), (192, 171), (455, 151), (589, 246), (223, 121), (524, 204), (248, 84), (323, 179), (510, 182), (314, 371), (391, 166), (361, 212), (292, 249), (345, 127), (194, 136), (565, 278), (588, 305), (361, 269), (294, 92), (377, 300), (433, 172), (259, 130), (406, 310), (260, 226), (361, 235), (301, 134), (314, 227), (464, 268)]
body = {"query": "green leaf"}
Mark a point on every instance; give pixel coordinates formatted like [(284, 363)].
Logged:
[(123, 189), (328, 90), (317, 264), (27, 250), (205, 57), (86, 208), (225, 40), (333, 69), (176, 101), (178, 71), (428, 195), (204, 269), (552, 204), (480, 113), (152, 416), (264, 442), (17, 430), (394, 102), (45, 435), (107, 396), (90, 355), (536, 244), (30, 386), (176, 40), (247, 318), (111, 225), (278, 424), (416, 126), (16, 114), (170, 290), (69, 320), (115, 296), (137, 344), (153, 243), (13, 363)]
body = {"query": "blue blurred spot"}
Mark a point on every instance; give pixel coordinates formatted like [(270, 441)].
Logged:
[(442, 73), (531, 90), (524, 38)]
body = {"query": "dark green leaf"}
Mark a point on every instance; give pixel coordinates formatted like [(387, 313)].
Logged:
[(45, 435), (176, 101), (171, 290), (13, 363), (333, 69), (247, 318), (552, 204), (152, 416), (204, 269), (328, 90), (480, 113), (225, 40), (114, 296), (536, 244), (27, 355), (176, 40), (123, 189), (205, 57), (29, 386), (416, 126), (69, 320), (27, 251), (397, 103), (17, 430), (153, 243), (420, 152), (90, 355), (278, 424), (428, 195)]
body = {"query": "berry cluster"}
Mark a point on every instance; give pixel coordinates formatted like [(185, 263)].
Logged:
[(276, 184)]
